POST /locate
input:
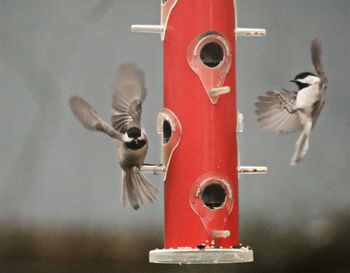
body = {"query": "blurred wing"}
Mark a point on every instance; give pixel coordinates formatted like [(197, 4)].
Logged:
[(317, 108), (89, 118), (275, 112), (129, 94), (316, 52)]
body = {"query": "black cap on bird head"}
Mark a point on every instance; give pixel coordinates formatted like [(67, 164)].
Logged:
[(134, 132), (302, 76)]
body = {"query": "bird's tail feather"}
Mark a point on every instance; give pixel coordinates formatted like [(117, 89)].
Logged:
[(135, 188), (302, 145)]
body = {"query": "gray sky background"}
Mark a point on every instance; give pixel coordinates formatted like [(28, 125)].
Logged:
[(52, 171)]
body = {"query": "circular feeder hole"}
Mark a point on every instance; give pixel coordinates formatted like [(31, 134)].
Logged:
[(167, 131), (214, 196), (212, 54)]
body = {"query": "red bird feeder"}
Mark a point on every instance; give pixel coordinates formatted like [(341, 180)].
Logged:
[(198, 126)]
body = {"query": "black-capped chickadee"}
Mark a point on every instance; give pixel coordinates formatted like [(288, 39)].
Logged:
[(129, 94), (290, 111)]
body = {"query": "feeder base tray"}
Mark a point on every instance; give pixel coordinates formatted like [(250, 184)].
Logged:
[(201, 256)]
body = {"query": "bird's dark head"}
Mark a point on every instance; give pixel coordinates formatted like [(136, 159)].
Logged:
[(134, 138), (134, 132), (305, 79)]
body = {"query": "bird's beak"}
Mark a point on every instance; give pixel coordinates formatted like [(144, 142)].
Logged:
[(293, 81)]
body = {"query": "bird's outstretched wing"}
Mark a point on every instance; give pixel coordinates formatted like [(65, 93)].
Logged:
[(129, 94), (276, 112), (316, 53), (89, 118)]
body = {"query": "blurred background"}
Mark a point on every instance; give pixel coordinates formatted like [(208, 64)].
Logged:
[(60, 208)]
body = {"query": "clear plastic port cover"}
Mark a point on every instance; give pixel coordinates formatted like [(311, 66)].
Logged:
[(169, 127), (211, 198), (166, 9), (210, 57)]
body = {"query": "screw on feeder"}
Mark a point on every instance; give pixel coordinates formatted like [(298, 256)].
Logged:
[(201, 246)]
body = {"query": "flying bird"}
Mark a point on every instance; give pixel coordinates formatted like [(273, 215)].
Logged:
[(128, 96), (284, 111)]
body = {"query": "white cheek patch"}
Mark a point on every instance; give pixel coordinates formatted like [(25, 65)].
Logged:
[(126, 138), (143, 135), (309, 80)]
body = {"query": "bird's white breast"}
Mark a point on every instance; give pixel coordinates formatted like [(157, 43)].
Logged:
[(307, 97)]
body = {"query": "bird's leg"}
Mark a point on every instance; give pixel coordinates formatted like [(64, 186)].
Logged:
[(291, 109)]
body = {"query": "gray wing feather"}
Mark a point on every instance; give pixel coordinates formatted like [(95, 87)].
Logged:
[(84, 112), (316, 52), (317, 110), (148, 189), (130, 194), (129, 94), (274, 112), (135, 187), (120, 122)]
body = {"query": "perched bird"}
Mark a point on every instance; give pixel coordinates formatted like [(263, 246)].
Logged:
[(129, 94), (290, 111)]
